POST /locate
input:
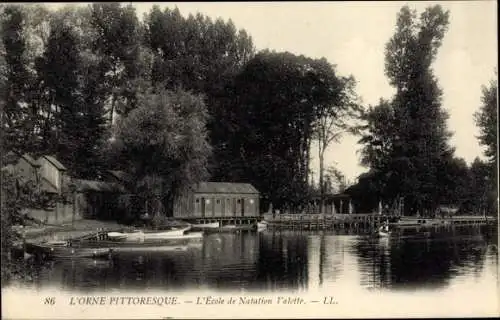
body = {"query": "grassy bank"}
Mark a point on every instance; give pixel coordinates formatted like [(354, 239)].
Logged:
[(65, 231)]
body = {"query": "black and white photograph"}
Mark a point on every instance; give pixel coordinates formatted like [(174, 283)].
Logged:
[(224, 160)]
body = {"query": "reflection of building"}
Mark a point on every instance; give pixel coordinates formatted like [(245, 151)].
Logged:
[(218, 199)]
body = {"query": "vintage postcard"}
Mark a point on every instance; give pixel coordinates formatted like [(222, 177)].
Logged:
[(249, 160)]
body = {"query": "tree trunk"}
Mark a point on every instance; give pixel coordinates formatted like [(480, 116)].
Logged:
[(321, 169), (111, 112)]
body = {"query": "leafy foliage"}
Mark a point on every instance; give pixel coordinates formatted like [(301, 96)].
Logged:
[(270, 118), (406, 140), (487, 121), (164, 143)]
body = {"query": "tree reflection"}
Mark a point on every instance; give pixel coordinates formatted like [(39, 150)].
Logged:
[(412, 263)]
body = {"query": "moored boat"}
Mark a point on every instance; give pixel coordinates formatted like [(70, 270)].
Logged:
[(205, 226), (419, 221), (67, 250), (144, 235), (383, 231), (117, 235), (137, 239), (262, 225), (151, 248), (384, 234), (237, 228)]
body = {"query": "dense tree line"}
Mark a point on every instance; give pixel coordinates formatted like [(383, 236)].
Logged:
[(87, 83), (271, 122), (405, 139), (83, 83)]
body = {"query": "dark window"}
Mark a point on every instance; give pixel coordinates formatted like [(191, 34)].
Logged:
[(239, 200), (218, 201), (197, 200)]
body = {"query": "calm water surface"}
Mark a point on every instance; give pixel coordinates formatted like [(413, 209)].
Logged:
[(290, 261)]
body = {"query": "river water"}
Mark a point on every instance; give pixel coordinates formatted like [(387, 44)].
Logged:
[(454, 262)]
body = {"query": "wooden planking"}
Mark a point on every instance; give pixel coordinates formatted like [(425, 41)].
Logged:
[(204, 205)]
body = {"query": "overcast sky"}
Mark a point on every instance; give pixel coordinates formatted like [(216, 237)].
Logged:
[(353, 35)]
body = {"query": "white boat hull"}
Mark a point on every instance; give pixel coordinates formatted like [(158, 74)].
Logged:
[(140, 236), (213, 225), (384, 234), (170, 234), (261, 226)]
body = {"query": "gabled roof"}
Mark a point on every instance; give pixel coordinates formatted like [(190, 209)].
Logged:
[(98, 186), (13, 157), (54, 161), (224, 187), (120, 175)]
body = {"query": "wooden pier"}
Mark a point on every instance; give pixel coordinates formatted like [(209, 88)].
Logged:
[(355, 221)]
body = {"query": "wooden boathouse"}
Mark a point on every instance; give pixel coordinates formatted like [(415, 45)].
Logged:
[(227, 202)]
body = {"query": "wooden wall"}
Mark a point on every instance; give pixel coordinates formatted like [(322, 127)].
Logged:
[(206, 205)]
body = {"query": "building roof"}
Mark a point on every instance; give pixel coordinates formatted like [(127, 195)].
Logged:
[(54, 161), (120, 175), (97, 186), (13, 157), (225, 187)]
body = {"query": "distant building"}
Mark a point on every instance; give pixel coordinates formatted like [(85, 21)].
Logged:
[(218, 199), (447, 210), (340, 203), (97, 199)]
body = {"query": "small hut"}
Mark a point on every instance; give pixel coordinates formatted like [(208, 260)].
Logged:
[(218, 199)]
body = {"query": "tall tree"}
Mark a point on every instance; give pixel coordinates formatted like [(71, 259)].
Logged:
[(275, 104), (332, 120), (163, 143), (487, 121), (71, 84), (203, 56), (116, 40), (15, 80), (414, 147)]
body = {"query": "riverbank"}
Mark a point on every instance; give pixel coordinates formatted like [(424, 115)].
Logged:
[(65, 231)]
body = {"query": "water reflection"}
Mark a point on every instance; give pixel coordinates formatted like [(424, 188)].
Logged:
[(291, 261)]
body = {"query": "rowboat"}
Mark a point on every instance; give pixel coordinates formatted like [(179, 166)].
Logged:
[(383, 231), (117, 235), (237, 228), (419, 221), (66, 250), (205, 226), (151, 248), (144, 235), (384, 234), (262, 225)]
